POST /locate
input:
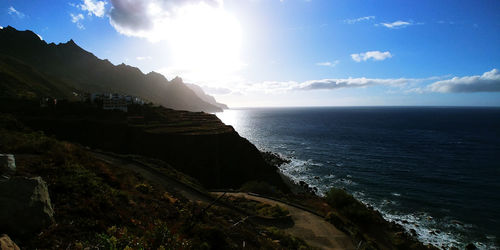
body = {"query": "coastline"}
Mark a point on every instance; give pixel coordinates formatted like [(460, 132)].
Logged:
[(417, 226), (303, 192), (380, 169), (362, 223)]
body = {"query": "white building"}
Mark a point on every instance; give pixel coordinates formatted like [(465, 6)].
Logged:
[(115, 102)]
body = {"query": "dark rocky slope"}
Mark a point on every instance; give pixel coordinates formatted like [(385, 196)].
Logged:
[(197, 144)]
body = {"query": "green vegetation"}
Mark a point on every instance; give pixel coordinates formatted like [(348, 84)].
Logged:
[(258, 208), (285, 240), (348, 206), (89, 196), (260, 187), (366, 225)]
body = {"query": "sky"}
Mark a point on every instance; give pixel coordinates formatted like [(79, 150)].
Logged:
[(250, 53)]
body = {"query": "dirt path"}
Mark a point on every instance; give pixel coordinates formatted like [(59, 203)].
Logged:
[(313, 229), (154, 176), (308, 226)]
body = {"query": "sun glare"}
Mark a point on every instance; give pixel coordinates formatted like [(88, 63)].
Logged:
[(206, 42)]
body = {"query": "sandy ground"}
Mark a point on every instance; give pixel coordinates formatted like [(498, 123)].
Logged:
[(313, 229)]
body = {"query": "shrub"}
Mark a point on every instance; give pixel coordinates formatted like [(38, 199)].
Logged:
[(259, 187), (287, 241), (144, 188), (339, 198), (272, 211), (348, 206)]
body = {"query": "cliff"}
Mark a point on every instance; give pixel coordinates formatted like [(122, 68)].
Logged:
[(110, 203), (195, 143)]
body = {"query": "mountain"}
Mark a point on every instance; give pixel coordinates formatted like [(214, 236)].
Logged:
[(32, 68), (21, 81), (207, 98)]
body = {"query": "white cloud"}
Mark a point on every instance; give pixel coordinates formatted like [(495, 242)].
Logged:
[(374, 55), (151, 19), (216, 90), (328, 64), (142, 58), (13, 12), (445, 22), (396, 24), (360, 19), (350, 83), (325, 84), (39, 36), (76, 18), (93, 7), (487, 82)]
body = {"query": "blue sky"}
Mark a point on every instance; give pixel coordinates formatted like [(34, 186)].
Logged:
[(291, 52)]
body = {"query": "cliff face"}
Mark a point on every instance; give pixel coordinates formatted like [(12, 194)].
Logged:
[(197, 144), (66, 68)]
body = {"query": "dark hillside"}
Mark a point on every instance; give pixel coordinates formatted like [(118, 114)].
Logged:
[(81, 70), (197, 144), (21, 81)]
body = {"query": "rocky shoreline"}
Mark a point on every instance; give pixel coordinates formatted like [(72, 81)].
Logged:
[(303, 188)]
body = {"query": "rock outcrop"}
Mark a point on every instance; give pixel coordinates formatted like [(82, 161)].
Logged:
[(25, 206), (7, 166), (7, 244)]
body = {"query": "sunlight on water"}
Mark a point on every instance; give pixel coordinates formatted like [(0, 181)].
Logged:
[(230, 117), (403, 162)]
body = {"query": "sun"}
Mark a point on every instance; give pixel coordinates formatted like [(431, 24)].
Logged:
[(206, 42)]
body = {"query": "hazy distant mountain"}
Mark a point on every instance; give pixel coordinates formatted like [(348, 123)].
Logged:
[(29, 67), (207, 98)]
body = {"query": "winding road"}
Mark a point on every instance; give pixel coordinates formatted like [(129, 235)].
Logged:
[(312, 228)]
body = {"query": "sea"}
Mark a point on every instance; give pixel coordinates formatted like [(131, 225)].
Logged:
[(435, 170)]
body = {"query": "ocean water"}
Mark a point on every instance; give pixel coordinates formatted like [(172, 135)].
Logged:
[(434, 169)]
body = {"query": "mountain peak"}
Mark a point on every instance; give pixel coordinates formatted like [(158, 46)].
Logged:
[(177, 80), (26, 35), (72, 68), (70, 44), (157, 76)]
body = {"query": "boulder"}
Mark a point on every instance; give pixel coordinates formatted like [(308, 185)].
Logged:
[(470, 246), (7, 244), (25, 207), (7, 166)]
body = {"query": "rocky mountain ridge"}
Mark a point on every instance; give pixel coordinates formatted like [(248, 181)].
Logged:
[(61, 69)]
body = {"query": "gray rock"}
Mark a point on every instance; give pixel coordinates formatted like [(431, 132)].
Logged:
[(25, 207), (7, 244), (7, 166)]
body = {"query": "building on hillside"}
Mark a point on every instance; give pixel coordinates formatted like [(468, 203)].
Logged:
[(134, 100), (115, 102)]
